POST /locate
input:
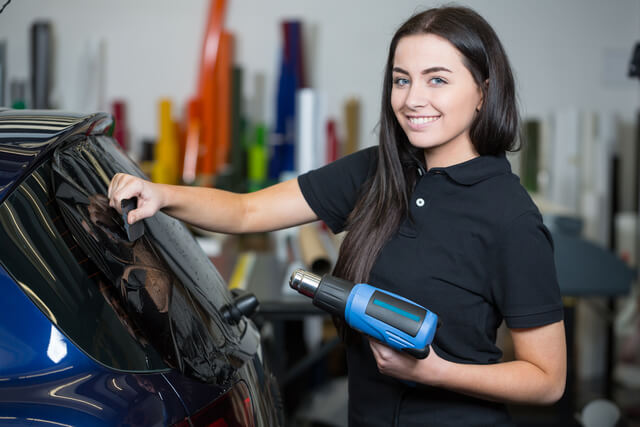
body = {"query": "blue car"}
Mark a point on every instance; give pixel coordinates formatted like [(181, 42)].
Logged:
[(98, 328)]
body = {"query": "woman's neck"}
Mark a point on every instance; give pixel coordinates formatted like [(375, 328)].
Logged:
[(449, 155)]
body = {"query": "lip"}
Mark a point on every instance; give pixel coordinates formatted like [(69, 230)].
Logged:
[(424, 121)]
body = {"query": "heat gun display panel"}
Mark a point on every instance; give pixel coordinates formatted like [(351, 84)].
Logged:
[(401, 315)]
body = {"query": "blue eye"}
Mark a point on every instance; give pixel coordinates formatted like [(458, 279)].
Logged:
[(437, 81), (400, 81)]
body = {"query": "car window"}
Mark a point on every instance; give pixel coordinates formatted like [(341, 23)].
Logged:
[(159, 295), (40, 254)]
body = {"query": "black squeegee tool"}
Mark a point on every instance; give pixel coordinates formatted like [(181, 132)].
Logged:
[(135, 230)]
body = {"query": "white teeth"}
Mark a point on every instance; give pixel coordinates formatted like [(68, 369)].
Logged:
[(422, 120)]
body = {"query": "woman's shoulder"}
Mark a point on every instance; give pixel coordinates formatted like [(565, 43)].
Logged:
[(366, 157), (332, 190), (357, 165), (514, 200)]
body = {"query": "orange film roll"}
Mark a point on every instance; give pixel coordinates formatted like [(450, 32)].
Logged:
[(181, 134), (206, 163), (223, 75)]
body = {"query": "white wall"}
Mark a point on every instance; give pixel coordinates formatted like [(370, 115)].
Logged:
[(570, 53)]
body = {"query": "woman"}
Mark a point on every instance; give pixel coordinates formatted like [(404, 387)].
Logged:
[(434, 214)]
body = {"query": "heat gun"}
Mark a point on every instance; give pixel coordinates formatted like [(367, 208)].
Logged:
[(390, 318)]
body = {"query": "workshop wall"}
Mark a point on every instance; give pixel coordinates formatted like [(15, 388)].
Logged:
[(565, 54)]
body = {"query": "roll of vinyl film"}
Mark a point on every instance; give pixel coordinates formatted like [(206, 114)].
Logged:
[(41, 58)]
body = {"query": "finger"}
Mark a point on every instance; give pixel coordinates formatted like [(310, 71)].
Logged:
[(375, 348), (376, 356), (112, 184), (383, 351), (140, 213), (115, 184), (125, 188)]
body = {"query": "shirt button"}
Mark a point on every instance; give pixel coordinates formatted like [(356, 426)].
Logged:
[(420, 202)]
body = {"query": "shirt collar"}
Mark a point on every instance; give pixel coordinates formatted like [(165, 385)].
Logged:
[(477, 169)]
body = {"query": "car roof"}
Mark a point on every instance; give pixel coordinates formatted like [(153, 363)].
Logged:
[(27, 136)]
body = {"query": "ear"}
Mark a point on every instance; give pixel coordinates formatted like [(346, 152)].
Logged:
[(482, 92)]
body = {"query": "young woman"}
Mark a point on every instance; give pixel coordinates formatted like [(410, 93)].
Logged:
[(434, 214)]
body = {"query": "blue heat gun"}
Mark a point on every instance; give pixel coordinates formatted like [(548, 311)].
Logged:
[(387, 317)]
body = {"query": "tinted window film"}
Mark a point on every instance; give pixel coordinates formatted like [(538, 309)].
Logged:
[(172, 239), (162, 288), (42, 256), (166, 283)]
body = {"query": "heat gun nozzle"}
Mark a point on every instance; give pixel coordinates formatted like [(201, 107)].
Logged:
[(304, 282)]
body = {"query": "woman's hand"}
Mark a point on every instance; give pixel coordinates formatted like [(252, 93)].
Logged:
[(125, 186), (404, 367)]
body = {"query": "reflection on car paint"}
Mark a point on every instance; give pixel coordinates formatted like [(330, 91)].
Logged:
[(57, 348)]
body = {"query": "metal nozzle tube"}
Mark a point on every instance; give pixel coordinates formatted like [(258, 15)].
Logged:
[(304, 282)]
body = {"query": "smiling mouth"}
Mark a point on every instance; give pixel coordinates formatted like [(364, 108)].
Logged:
[(422, 120)]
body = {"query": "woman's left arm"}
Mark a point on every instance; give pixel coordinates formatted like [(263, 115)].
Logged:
[(536, 376)]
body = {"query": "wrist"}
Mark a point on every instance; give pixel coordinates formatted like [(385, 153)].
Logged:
[(436, 373), (161, 191)]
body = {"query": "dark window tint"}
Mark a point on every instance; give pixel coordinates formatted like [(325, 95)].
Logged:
[(40, 253), (131, 305)]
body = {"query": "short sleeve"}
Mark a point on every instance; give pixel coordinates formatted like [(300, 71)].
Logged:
[(526, 288), (332, 190)]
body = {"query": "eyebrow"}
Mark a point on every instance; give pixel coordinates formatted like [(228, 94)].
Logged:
[(425, 71)]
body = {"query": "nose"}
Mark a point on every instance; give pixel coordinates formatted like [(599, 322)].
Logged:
[(417, 97)]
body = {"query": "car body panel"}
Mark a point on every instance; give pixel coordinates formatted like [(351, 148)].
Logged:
[(45, 377)]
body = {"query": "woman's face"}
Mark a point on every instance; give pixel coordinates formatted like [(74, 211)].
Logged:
[(434, 98)]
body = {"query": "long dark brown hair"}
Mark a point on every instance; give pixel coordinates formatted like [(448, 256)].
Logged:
[(385, 197)]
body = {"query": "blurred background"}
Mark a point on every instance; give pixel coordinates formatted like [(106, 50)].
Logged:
[(239, 94)]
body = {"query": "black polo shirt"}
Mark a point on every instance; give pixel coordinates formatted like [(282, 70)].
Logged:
[(474, 251)]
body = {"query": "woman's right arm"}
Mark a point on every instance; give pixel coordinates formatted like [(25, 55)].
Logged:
[(279, 206)]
